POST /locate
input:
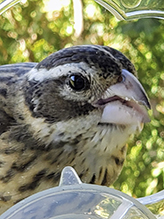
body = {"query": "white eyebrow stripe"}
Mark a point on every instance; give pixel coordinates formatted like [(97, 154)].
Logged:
[(62, 70)]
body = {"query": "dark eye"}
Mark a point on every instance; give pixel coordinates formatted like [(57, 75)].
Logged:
[(77, 82), (121, 78)]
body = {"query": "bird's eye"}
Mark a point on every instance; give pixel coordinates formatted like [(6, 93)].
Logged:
[(121, 78), (77, 82)]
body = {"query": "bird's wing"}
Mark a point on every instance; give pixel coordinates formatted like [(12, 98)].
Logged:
[(8, 73), (15, 69)]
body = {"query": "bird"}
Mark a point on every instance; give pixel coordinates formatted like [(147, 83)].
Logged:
[(77, 107)]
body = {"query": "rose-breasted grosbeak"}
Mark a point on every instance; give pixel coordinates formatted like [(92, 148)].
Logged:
[(77, 107)]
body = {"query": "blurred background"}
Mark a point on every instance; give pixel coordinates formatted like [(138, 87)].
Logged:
[(33, 29)]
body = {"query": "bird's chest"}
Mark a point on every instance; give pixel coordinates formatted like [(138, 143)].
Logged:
[(97, 157), (25, 172)]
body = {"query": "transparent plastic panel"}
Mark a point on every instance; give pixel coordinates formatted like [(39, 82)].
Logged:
[(135, 213), (5, 5), (121, 9), (155, 203), (74, 199), (134, 9)]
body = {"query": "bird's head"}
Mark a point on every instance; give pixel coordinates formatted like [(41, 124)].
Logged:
[(78, 107), (93, 85)]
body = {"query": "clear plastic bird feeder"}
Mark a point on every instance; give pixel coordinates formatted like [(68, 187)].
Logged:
[(4, 5), (74, 199), (134, 9), (121, 9)]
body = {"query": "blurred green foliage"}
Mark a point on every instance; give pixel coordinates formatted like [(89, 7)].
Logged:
[(32, 30)]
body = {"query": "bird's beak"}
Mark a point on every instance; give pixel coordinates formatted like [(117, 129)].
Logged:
[(125, 102)]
